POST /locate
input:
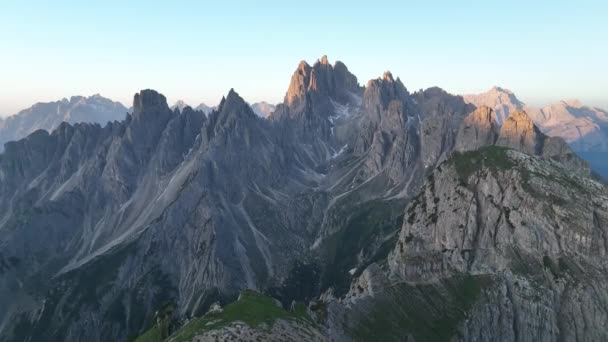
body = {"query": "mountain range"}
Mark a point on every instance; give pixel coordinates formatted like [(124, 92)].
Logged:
[(48, 116), (81, 109), (584, 128), (352, 213), (263, 109)]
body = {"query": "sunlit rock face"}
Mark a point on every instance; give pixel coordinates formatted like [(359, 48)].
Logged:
[(478, 129), (501, 100), (584, 128), (519, 132)]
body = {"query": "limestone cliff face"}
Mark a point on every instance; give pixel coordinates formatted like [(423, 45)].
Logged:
[(478, 129), (386, 137), (481, 205), (498, 245), (520, 133), (441, 119), (314, 85)]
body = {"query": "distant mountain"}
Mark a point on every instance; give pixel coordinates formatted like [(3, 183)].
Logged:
[(180, 104), (48, 116), (263, 109), (584, 128), (501, 100), (206, 109)]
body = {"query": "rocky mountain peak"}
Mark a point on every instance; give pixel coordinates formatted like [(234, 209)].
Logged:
[(148, 99), (312, 88), (520, 133), (232, 108), (324, 60), (150, 116), (478, 129), (388, 76), (573, 103), (298, 84), (381, 91), (502, 100), (498, 90), (231, 101)]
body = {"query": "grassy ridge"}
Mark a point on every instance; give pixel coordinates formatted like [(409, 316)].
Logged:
[(254, 309), (492, 157), (428, 312)]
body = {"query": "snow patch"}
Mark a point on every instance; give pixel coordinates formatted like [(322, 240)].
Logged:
[(337, 154)]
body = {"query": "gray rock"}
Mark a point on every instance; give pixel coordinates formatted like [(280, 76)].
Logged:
[(48, 116), (477, 130), (520, 133)]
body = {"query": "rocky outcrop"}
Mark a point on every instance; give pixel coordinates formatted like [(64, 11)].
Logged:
[(441, 119), (520, 133), (507, 200), (385, 138), (477, 130)]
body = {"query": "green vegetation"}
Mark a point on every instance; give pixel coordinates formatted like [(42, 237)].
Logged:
[(370, 232), (160, 331), (492, 157), (252, 308), (154, 334), (300, 285), (428, 312)]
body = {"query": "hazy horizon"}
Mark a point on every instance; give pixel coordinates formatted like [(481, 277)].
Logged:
[(197, 52)]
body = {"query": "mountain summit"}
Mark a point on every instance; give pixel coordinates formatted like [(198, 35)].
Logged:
[(501, 100)]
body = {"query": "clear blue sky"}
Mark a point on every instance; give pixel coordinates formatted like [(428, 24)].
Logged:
[(197, 51)]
